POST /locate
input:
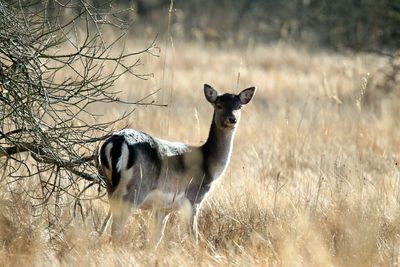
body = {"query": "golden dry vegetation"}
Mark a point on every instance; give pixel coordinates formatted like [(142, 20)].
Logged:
[(314, 178)]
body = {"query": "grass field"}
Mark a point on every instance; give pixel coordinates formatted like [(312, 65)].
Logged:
[(314, 178)]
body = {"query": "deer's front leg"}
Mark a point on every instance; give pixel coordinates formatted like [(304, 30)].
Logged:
[(187, 212), (196, 196)]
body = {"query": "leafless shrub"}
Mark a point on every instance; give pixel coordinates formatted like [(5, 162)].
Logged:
[(54, 65)]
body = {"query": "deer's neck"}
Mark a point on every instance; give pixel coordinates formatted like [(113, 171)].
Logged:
[(217, 151)]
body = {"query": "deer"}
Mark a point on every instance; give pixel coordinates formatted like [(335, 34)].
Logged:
[(149, 173)]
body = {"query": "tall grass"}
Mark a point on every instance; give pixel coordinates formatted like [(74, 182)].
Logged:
[(314, 178)]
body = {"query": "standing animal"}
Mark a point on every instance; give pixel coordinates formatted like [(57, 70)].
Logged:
[(150, 173)]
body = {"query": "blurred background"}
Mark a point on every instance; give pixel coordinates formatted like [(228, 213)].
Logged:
[(357, 24), (366, 25)]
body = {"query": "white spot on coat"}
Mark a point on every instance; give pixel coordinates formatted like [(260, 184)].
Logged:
[(123, 159)]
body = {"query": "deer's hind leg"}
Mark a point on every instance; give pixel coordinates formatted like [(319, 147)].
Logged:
[(125, 197), (120, 211)]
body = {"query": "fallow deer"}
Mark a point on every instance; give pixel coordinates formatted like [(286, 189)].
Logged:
[(149, 173)]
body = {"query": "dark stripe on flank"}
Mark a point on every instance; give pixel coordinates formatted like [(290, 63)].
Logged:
[(116, 150)]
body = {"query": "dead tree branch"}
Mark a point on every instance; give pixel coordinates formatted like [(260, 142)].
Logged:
[(55, 65)]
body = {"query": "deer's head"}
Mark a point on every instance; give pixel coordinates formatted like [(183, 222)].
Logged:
[(227, 106)]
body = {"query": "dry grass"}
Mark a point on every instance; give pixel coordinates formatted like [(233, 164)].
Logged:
[(313, 180)]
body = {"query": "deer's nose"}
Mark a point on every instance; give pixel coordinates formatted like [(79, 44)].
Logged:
[(232, 120)]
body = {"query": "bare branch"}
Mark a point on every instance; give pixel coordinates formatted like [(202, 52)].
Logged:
[(53, 68)]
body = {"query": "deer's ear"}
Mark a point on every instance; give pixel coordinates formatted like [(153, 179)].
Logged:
[(246, 95), (210, 93)]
